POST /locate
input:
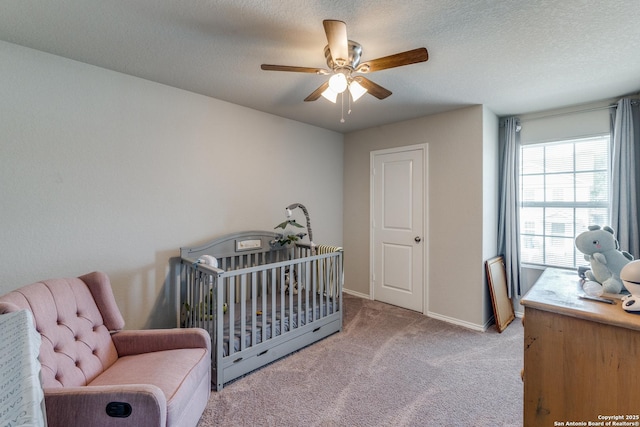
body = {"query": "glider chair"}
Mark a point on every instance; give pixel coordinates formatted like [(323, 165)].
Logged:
[(96, 374)]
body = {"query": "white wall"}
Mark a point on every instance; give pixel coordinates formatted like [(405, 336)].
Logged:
[(104, 171), (457, 207)]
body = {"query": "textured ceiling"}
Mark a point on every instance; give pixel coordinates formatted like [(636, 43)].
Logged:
[(514, 56)]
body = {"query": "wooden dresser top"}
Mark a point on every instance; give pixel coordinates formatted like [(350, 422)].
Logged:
[(558, 291)]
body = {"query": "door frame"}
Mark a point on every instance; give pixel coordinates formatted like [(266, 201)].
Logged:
[(425, 216)]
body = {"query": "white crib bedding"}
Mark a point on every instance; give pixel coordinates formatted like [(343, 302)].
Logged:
[(292, 319)]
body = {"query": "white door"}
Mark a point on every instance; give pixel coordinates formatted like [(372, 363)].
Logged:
[(398, 183)]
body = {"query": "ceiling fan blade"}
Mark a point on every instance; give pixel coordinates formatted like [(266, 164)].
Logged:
[(338, 43), (318, 92), (373, 88), (270, 67), (397, 60)]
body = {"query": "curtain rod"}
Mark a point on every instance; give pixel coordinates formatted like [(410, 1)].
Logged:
[(634, 101), (567, 113), (584, 110)]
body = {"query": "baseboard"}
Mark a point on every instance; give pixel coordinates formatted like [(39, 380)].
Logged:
[(355, 293), (468, 325)]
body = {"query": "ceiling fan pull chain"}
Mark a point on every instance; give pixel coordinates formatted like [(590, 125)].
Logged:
[(342, 118)]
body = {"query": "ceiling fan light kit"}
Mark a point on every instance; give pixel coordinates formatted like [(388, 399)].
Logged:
[(330, 95), (356, 90), (343, 59), (338, 82)]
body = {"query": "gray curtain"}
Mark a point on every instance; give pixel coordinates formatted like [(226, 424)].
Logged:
[(509, 202), (624, 178)]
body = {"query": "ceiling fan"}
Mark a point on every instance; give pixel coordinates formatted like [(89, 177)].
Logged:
[(343, 60)]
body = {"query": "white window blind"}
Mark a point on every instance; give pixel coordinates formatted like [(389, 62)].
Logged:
[(564, 189)]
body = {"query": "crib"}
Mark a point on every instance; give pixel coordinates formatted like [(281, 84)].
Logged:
[(262, 302)]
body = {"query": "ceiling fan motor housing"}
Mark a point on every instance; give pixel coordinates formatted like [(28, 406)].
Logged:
[(355, 52)]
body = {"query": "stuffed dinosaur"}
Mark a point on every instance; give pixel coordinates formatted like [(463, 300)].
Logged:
[(602, 250)]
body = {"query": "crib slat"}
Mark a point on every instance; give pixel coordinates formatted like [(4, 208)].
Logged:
[(200, 300), (263, 287), (282, 300), (332, 281), (231, 291), (307, 314), (254, 308), (207, 308), (314, 281), (339, 276), (339, 279), (243, 311), (300, 294), (274, 310), (188, 295), (290, 307), (326, 289)]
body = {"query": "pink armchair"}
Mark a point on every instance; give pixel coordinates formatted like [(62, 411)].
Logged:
[(95, 374)]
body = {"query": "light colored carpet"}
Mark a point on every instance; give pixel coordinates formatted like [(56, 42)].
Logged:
[(388, 367)]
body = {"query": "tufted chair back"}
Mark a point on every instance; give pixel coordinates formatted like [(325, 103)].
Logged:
[(74, 317)]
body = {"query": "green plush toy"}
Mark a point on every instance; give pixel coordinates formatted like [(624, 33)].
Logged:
[(287, 237), (601, 249)]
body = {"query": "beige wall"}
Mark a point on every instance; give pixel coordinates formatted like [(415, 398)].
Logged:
[(462, 206), (490, 186), (104, 171)]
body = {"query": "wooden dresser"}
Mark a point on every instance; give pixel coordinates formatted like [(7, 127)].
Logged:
[(581, 358)]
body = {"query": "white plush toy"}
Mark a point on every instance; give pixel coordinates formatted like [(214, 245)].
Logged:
[(601, 249), (208, 260), (207, 305)]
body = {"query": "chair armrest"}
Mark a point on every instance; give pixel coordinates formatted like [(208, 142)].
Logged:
[(7, 307), (148, 340), (86, 406)]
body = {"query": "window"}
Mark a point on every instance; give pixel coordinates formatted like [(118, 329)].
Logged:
[(564, 189)]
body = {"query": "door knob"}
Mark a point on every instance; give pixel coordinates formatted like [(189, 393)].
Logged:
[(418, 239)]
